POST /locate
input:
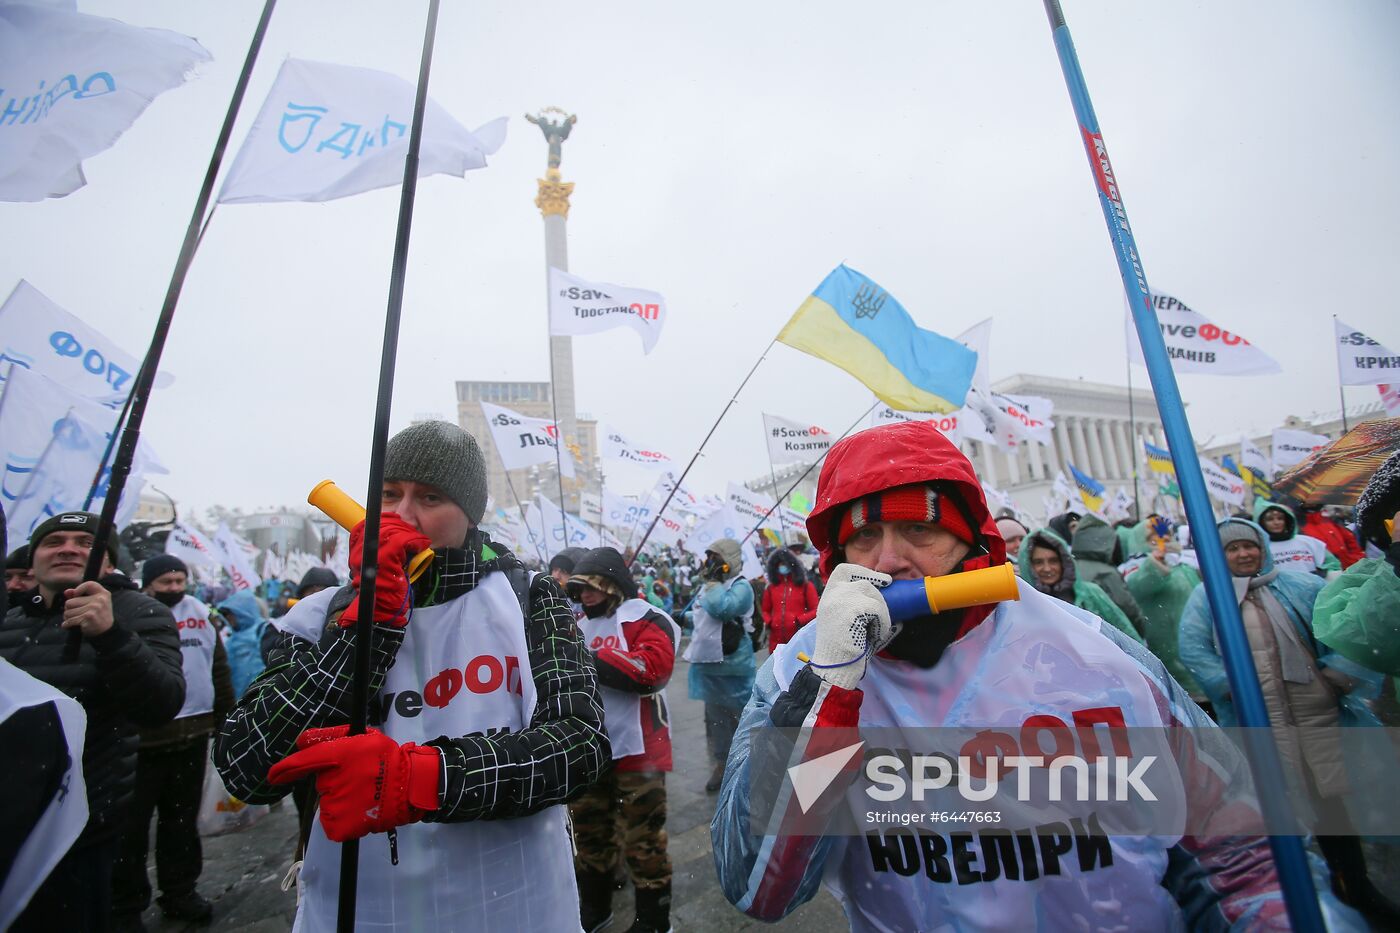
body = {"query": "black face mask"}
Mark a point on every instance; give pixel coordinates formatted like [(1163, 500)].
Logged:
[(714, 568), (170, 600)]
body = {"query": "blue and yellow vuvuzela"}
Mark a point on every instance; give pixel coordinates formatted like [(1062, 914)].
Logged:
[(854, 323)]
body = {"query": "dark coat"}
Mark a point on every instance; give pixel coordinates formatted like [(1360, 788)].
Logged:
[(128, 677)]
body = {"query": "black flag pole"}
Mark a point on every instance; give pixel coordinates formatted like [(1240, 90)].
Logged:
[(681, 479), (374, 495), (145, 377)]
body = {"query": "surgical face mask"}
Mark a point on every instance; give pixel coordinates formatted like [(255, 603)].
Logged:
[(1171, 558), (784, 569)]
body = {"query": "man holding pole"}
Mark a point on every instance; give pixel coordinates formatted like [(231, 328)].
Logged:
[(485, 710), (901, 502)]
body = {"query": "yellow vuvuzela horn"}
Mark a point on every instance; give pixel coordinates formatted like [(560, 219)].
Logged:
[(347, 513)]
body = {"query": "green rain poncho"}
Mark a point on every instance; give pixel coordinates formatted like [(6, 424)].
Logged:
[(1161, 594), (1087, 595)]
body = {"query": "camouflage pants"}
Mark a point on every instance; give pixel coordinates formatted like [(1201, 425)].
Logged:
[(630, 805)]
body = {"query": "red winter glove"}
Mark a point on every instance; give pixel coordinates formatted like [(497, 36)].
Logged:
[(368, 783), (398, 542)]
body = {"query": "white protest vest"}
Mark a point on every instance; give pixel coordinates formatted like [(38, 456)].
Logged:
[(705, 645), (622, 710), (67, 813), (1039, 656), (197, 637), (463, 668), (1299, 554)]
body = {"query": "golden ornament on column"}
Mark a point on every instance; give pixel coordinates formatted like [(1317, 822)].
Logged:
[(553, 197)]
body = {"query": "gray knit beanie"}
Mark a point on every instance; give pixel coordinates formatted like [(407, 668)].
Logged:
[(443, 455), (1234, 530)]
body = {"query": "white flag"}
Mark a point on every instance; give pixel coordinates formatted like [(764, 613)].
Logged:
[(60, 481), (950, 425), (70, 86), (192, 547), (41, 336), (1063, 490), (1390, 398), (1120, 504), (1197, 345), (684, 500), (1223, 486), (523, 441), (794, 442), (1292, 447), (1363, 362), (749, 508), (232, 552), (626, 514), (556, 533), (577, 307), (724, 523), (617, 447), (329, 131), (1020, 418), (978, 339), (995, 497), (667, 532), (1252, 458)]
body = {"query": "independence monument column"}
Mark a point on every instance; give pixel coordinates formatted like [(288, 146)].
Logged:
[(553, 202)]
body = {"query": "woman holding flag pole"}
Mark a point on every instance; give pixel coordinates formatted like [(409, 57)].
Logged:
[(489, 721)]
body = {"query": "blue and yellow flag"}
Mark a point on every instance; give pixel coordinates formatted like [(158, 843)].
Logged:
[(1159, 459), (855, 324), (1257, 484), (1090, 489)]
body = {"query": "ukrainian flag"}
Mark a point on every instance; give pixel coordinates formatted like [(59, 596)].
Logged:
[(1159, 459), (855, 324), (1090, 489), (1257, 484)]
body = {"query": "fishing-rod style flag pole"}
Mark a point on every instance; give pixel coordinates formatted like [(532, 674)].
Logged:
[(680, 479), (1294, 878), (374, 494), (131, 433)]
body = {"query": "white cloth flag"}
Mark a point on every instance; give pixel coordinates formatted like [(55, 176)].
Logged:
[(1390, 398), (1021, 418), (667, 532), (1063, 490), (951, 425), (1120, 504), (1292, 447), (1252, 458), (794, 442), (577, 306), (626, 514), (329, 131), (41, 336), (725, 523), (55, 439), (549, 523), (1223, 486), (749, 508), (684, 500), (523, 441), (978, 339), (70, 86), (1363, 362), (1197, 345), (617, 447), (192, 547), (995, 497), (232, 552)]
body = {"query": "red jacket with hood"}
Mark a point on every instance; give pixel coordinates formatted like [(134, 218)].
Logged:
[(1338, 540)]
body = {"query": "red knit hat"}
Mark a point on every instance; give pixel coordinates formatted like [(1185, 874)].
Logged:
[(919, 502)]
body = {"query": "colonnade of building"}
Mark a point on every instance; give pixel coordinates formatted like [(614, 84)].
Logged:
[(1103, 447)]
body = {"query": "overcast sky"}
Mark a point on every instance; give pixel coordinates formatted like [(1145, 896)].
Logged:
[(729, 155)]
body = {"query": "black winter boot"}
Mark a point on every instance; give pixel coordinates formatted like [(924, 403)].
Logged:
[(595, 892), (653, 910)]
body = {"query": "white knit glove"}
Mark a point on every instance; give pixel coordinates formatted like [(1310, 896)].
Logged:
[(853, 623)]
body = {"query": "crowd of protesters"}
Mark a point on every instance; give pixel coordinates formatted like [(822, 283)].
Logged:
[(569, 681)]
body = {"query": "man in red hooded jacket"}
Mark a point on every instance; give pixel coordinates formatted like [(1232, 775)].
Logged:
[(901, 502), (1339, 540)]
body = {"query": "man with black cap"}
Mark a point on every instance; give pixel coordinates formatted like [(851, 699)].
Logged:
[(486, 713), (561, 567), (170, 763), (127, 674), (634, 650), (18, 576)]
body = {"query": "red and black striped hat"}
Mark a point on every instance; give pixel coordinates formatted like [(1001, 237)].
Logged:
[(917, 502)]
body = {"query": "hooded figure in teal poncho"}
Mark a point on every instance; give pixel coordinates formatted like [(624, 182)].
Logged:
[(1095, 549), (1162, 584), (1067, 585)]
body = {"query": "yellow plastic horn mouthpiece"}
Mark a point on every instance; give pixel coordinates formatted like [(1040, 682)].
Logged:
[(973, 588), (347, 513)]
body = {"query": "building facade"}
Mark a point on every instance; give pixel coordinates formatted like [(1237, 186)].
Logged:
[(532, 399)]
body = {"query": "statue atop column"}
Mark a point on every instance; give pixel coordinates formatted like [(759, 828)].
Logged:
[(553, 197), (555, 132)]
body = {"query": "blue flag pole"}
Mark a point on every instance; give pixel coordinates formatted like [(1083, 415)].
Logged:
[(1289, 857)]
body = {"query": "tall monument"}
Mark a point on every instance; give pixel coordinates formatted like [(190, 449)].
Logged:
[(553, 202)]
